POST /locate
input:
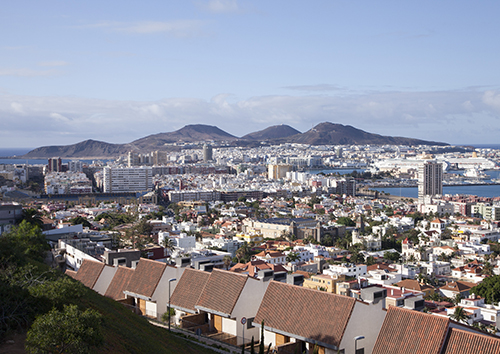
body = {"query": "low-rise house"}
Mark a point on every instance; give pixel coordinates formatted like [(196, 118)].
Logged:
[(148, 288), (347, 269), (273, 257), (413, 332), (119, 283), (218, 308), (436, 268), (325, 321), (471, 272), (323, 282), (453, 288), (94, 275), (382, 277), (412, 284)]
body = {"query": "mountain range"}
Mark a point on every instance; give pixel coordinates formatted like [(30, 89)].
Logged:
[(322, 134)]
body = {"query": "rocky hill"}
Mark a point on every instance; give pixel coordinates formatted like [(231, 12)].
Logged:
[(190, 133), (84, 149), (273, 132), (337, 134), (322, 134)]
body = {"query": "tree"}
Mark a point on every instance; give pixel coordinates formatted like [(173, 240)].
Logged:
[(143, 227), (489, 289), (80, 220), (169, 245), (29, 240), (345, 221), (459, 315), (261, 344), (487, 269), (392, 256), (292, 257), (66, 331), (227, 261), (32, 216)]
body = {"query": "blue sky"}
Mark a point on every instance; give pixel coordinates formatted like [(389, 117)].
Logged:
[(117, 71)]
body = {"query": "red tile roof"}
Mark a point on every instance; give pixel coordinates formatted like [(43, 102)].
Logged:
[(146, 276), (462, 342), (318, 316), (458, 286), (188, 289), (411, 332), (119, 283), (89, 272), (253, 267), (413, 284), (221, 292)]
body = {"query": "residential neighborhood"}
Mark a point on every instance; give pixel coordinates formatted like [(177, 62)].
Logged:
[(283, 259)]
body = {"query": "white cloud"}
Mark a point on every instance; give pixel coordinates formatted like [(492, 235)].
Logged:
[(451, 116), (492, 99), (17, 107)]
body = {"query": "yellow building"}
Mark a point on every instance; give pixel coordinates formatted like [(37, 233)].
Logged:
[(250, 237), (323, 282), (278, 171)]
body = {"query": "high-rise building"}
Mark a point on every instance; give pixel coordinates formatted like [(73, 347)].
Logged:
[(278, 171), (207, 153), (430, 179), (131, 179), (75, 166), (55, 164)]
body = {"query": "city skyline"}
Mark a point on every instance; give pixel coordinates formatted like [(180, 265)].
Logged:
[(117, 72)]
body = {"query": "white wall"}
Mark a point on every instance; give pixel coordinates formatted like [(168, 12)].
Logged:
[(366, 320), (105, 278), (247, 306), (160, 295), (229, 326), (74, 257)]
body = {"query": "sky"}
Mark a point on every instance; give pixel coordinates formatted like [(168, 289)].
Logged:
[(117, 71)]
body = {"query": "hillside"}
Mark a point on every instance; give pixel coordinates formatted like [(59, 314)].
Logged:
[(337, 134), (189, 133), (273, 132), (326, 133), (124, 332), (87, 149), (30, 289)]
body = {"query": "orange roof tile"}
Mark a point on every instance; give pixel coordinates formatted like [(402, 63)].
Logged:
[(89, 272), (146, 276), (318, 316), (413, 285), (119, 283), (465, 342), (411, 332), (221, 292), (188, 289)]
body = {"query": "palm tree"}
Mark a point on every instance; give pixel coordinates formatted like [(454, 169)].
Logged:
[(32, 216), (227, 261), (459, 315), (487, 269), (169, 245)]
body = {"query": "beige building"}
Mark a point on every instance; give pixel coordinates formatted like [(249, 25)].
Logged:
[(324, 282), (278, 171)]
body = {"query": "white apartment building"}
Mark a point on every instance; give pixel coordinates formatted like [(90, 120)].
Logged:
[(130, 179)]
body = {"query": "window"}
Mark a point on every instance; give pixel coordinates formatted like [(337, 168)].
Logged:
[(250, 322)]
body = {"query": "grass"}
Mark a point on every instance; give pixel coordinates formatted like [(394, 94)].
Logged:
[(126, 332)]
